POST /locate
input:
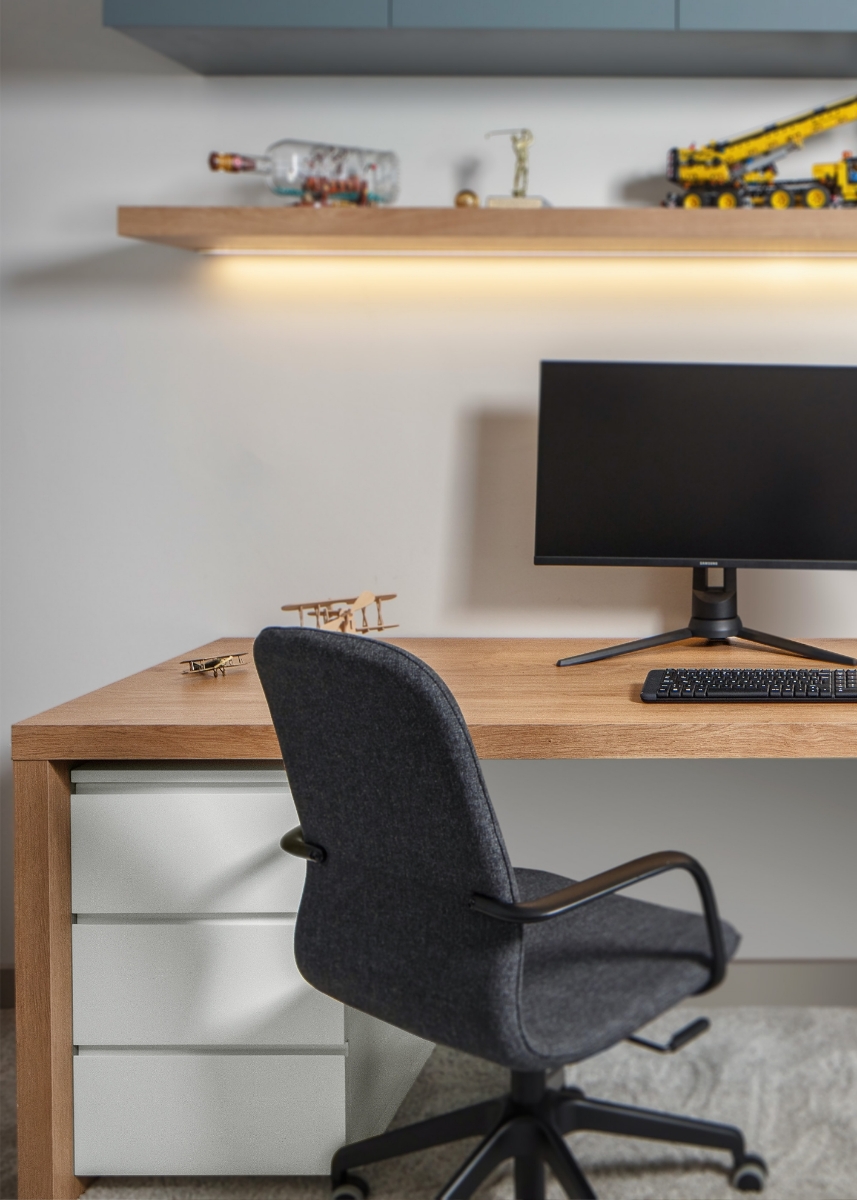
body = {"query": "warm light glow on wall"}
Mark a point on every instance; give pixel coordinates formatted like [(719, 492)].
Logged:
[(508, 282)]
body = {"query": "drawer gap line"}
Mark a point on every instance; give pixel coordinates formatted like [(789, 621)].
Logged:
[(179, 918), (340, 1049)]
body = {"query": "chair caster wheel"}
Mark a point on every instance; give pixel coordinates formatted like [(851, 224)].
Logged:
[(351, 1188), (750, 1175)]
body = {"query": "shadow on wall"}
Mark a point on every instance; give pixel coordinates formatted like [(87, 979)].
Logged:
[(42, 35), (134, 268), (498, 537), (645, 190)]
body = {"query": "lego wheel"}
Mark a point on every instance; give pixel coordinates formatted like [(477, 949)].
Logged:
[(727, 200), (750, 1175), (351, 1188), (817, 197), (780, 198), (692, 200)]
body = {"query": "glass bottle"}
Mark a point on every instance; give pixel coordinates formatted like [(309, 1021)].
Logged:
[(312, 173)]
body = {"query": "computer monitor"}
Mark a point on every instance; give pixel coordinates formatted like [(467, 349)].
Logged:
[(698, 465)]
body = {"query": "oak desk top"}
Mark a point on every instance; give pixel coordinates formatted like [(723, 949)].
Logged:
[(516, 702)]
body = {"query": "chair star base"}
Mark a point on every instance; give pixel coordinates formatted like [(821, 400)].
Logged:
[(528, 1124)]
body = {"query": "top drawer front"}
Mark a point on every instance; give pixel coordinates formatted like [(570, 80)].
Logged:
[(192, 851)]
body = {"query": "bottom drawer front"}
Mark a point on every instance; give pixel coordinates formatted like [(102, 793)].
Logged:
[(207, 1114)]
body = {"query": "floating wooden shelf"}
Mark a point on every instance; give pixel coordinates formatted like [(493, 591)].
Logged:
[(545, 231)]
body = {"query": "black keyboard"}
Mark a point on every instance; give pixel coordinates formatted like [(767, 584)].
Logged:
[(751, 683)]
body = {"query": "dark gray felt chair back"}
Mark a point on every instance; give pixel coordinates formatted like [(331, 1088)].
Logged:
[(385, 778)]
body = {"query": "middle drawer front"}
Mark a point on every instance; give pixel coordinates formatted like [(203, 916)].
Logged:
[(186, 982)]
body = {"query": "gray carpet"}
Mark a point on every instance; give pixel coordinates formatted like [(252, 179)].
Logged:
[(787, 1076), (8, 1157)]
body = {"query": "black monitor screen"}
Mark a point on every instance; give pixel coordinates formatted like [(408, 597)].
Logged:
[(691, 464)]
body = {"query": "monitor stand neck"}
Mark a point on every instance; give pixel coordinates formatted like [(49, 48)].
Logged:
[(713, 615)]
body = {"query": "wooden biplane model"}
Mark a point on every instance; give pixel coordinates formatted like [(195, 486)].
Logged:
[(339, 615), (212, 666)]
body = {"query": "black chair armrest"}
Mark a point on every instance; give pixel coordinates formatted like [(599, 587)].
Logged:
[(556, 904), (293, 843)]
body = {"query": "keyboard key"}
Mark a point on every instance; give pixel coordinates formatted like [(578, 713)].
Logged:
[(738, 693)]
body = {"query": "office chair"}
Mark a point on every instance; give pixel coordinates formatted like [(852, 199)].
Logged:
[(411, 912)]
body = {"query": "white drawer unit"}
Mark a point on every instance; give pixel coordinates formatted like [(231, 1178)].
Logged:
[(199, 1047)]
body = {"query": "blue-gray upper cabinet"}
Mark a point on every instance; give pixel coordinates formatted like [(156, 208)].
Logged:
[(248, 14), (497, 37), (775, 16), (534, 14)]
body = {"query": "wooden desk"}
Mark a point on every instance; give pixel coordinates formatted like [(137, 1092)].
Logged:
[(517, 705)]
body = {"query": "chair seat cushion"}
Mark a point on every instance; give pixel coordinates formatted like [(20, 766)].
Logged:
[(595, 975)]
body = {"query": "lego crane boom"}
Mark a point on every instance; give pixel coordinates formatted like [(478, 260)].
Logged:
[(742, 170)]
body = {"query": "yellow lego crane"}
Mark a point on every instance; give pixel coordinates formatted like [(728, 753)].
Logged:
[(743, 169)]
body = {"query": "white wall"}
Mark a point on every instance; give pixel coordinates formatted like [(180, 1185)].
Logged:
[(190, 442)]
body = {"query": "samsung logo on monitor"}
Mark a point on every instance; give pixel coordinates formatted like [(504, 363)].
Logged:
[(709, 564)]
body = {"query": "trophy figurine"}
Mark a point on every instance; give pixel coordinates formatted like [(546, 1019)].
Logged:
[(521, 139)]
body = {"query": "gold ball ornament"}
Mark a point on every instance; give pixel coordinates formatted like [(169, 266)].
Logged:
[(466, 198)]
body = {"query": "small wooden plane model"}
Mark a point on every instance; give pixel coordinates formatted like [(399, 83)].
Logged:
[(212, 666), (339, 615)]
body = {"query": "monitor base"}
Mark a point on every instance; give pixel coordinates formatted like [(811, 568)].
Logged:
[(714, 616)]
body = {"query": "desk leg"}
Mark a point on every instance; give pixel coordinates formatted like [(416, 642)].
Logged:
[(43, 975)]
